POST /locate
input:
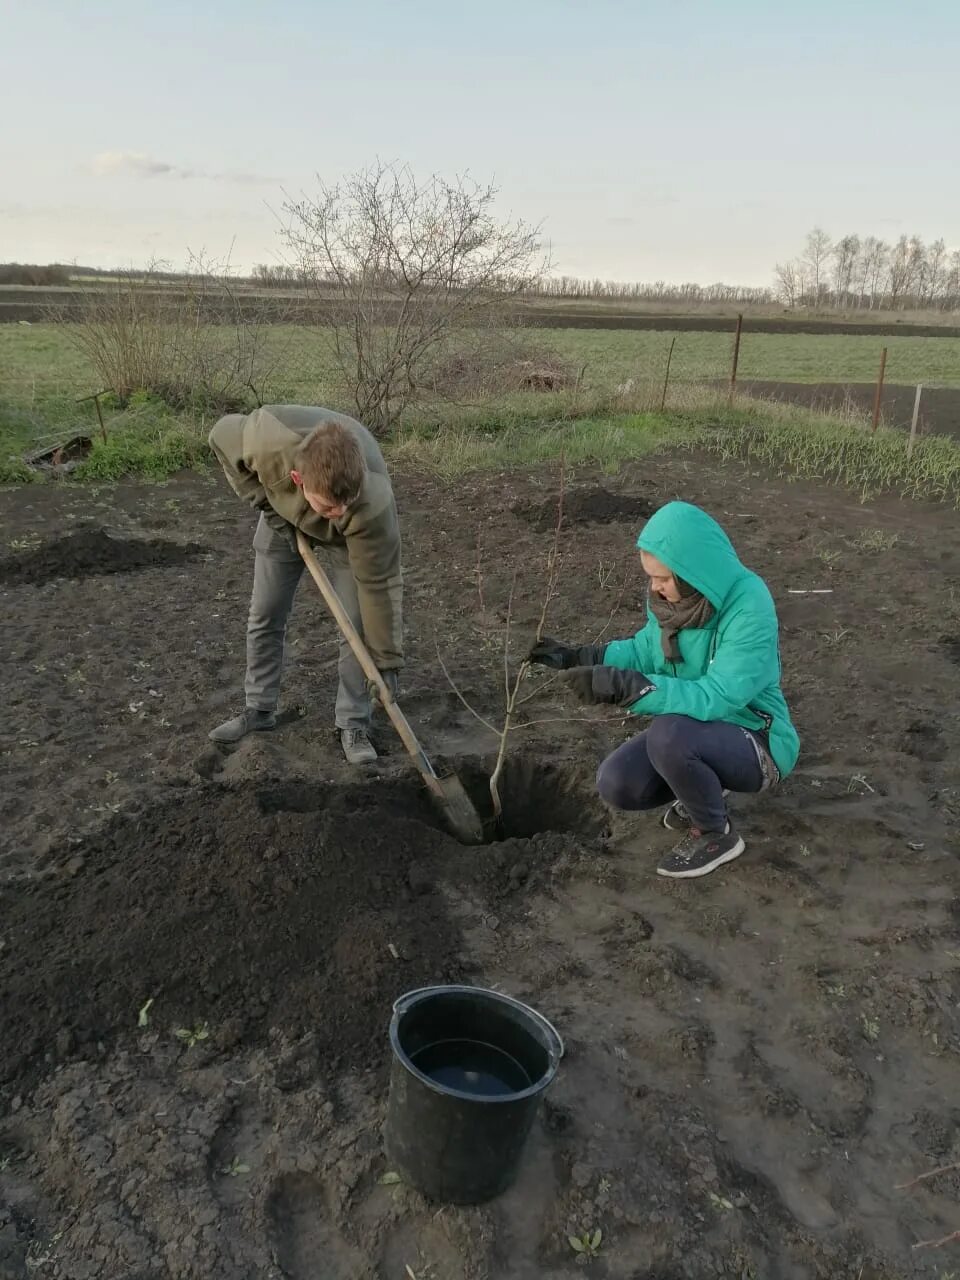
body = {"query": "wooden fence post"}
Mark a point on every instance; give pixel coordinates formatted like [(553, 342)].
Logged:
[(736, 355), (876, 402), (666, 376), (913, 423)]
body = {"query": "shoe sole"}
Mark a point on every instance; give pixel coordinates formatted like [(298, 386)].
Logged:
[(681, 826), (695, 872)]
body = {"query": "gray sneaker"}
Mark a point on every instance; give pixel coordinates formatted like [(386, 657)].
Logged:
[(249, 721), (357, 746)]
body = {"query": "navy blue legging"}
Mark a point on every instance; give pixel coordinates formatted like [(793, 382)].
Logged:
[(678, 758)]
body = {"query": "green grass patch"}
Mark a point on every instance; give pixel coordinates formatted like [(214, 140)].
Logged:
[(146, 440), (153, 456), (606, 442), (790, 442), (43, 374), (840, 454), (43, 378), (612, 356)]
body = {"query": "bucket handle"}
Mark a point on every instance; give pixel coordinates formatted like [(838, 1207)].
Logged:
[(400, 1001)]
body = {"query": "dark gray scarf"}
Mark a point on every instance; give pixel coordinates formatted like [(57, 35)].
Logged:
[(691, 610)]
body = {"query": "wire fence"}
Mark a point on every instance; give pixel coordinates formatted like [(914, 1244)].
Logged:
[(547, 374)]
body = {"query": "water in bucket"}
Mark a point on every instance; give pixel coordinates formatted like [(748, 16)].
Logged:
[(472, 1067)]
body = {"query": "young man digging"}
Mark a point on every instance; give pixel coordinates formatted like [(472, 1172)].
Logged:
[(322, 473), (706, 667)]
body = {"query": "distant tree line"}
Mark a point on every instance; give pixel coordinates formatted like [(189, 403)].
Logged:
[(855, 272), (24, 273), (660, 291), (849, 273)]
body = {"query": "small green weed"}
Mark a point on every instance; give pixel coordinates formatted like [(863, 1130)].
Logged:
[(191, 1036), (836, 637), (721, 1202), (587, 1245), (870, 1027), (877, 540)]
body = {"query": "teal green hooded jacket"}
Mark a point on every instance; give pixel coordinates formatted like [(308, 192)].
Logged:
[(728, 670)]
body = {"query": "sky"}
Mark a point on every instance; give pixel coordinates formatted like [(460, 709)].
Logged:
[(694, 140)]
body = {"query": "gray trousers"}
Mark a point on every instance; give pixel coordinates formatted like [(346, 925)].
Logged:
[(277, 569)]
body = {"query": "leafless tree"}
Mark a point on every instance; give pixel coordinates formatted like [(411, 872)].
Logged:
[(900, 270), (938, 274), (400, 265), (877, 259), (789, 283), (515, 679), (816, 257), (953, 278), (187, 340), (845, 254)]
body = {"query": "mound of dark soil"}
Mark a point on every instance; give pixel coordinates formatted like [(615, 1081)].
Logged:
[(586, 506), (89, 553), (227, 909), (288, 906)]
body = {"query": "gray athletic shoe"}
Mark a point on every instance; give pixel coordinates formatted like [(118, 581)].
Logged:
[(700, 852), (357, 746), (249, 721)]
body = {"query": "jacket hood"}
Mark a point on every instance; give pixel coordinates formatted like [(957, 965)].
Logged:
[(693, 545)]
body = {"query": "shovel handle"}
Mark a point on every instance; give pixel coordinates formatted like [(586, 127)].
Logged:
[(370, 669)]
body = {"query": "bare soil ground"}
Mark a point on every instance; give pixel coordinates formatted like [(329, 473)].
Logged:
[(755, 1060), (34, 304)]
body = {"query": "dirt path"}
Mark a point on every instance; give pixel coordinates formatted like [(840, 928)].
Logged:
[(754, 1060)]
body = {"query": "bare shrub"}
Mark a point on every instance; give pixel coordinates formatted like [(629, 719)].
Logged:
[(188, 341), (399, 265), (495, 363)]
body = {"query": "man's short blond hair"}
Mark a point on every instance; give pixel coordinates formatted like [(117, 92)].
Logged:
[(331, 463)]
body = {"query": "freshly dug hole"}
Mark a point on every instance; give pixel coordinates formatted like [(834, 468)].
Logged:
[(537, 796)]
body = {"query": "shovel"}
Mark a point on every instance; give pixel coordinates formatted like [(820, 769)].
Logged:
[(446, 791)]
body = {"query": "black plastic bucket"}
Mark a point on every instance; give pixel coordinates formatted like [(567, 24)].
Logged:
[(469, 1067)]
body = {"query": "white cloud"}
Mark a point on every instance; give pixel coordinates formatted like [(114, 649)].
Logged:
[(138, 164), (109, 163)]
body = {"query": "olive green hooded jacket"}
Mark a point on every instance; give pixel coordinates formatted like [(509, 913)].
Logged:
[(258, 451)]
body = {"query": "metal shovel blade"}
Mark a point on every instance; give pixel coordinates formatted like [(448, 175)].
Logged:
[(458, 809)]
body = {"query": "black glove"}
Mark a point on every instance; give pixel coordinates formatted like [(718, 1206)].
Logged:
[(391, 679), (557, 656), (607, 684)]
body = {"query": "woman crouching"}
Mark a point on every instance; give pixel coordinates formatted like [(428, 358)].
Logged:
[(706, 667)]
